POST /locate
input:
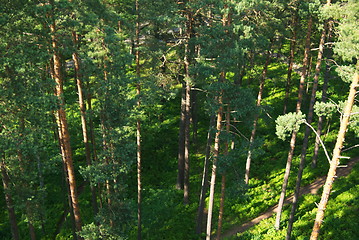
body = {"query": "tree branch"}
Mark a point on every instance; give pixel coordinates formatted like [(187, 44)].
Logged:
[(320, 140)]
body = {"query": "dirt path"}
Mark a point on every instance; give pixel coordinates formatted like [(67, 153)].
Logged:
[(311, 188)]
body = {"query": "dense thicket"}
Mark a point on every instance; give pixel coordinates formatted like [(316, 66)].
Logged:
[(119, 118)]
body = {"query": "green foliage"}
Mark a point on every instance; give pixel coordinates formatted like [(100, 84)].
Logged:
[(341, 213), (288, 123), (106, 46), (324, 108), (96, 232)]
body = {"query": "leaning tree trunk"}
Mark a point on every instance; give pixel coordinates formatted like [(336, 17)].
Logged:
[(335, 159), (324, 99), (253, 134), (306, 134), (204, 185), (223, 186), (293, 43), (9, 201), (294, 134), (214, 167), (63, 128)]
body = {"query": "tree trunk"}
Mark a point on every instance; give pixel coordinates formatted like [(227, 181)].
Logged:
[(324, 99), (335, 159), (138, 132), (194, 117), (63, 128), (186, 144), (214, 167), (180, 173), (223, 186), (84, 124), (9, 201), (204, 185), (293, 43), (187, 62), (294, 134), (259, 99), (306, 134), (25, 185)]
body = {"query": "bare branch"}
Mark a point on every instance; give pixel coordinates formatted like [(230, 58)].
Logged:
[(347, 149), (320, 140)]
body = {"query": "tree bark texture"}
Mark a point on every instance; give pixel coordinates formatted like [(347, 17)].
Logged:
[(294, 133), (63, 129), (335, 159), (306, 134)]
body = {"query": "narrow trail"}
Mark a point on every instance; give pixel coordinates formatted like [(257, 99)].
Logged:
[(311, 188)]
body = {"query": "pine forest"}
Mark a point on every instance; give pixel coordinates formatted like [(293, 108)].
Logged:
[(179, 119)]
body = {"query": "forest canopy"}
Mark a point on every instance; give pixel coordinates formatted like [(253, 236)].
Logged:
[(169, 119)]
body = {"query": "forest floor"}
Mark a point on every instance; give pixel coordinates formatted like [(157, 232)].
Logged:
[(342, 170)]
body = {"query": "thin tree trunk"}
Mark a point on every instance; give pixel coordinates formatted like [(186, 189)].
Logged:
[(335, 159), (259, 99), (63, 128), (204, 185), (20, 157), (82, 106), (91, 127), (186, 144), (294, 134), (324, 99), (306, 134), (221, 207), (138, 132), (9, 201), (41, 185), (187, 62), (291, 62), (180, 173), (194, 117), (223, 186), (214, 167)]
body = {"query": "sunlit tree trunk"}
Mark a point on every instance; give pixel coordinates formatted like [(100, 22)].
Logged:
[(335, 159), (306, 134), (63, 127), (138, 123), (294, 134), (204, 185), (82, 105), (214, 167)]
